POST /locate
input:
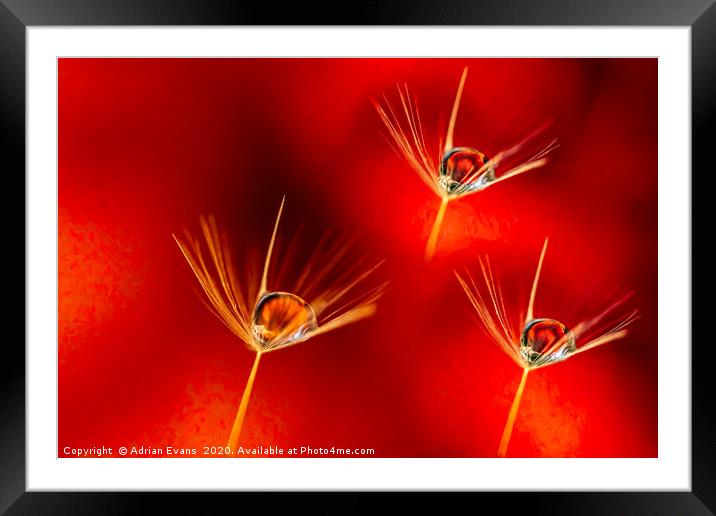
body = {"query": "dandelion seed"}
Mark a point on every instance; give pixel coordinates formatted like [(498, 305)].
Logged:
[(542, 342), (267, 320), (458, 171)]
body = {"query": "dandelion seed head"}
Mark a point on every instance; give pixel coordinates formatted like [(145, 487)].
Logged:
[(454, 171), (542, 341), (267, 319)]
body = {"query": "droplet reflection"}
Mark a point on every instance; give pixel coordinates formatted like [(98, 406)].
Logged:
[(281, 318), (464, 169), (546, 341)]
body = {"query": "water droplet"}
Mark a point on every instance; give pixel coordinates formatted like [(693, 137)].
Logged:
[(281, 318), (464, 169), (546, 341)]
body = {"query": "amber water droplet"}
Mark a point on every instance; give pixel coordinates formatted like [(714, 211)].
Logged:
[(464, 169), (546, 341), (281, 318)]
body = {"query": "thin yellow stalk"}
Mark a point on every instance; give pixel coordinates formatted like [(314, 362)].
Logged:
[(264, 277), (435, 232), (239, 421), (453, 115), (531, 306), (507, 433)]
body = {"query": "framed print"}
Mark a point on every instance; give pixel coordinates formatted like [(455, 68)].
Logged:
[(385, 256)]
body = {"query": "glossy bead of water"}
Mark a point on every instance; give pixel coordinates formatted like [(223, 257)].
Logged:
[(459, 170), (546, 341), (281, 318)]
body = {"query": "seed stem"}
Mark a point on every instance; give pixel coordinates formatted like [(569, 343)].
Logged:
[(507, 432), (239, 421), (435, 232)]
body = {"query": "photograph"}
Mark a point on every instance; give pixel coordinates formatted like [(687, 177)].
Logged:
[(357, 257)]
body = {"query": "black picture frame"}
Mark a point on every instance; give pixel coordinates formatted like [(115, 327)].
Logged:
[(700, 15)]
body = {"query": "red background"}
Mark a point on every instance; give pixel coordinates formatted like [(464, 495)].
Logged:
[(147, 145)]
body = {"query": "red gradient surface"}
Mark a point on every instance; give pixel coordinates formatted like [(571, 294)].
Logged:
[(145, 146)]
